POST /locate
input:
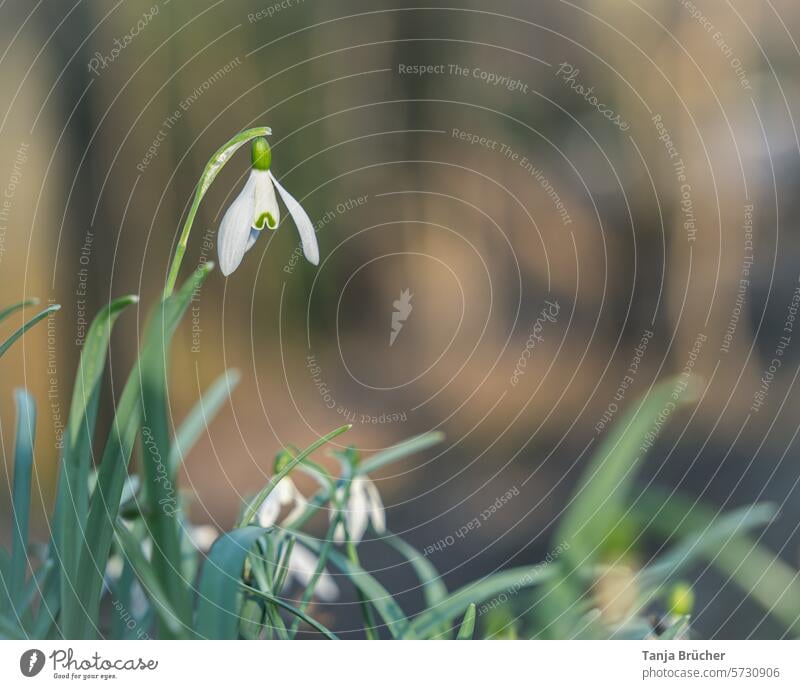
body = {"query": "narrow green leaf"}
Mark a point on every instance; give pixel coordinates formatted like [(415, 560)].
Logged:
[(220, 590), (599, 501), (23, 471), (400, 451), (767, 579), (149, 579), (509, 582), (706, 540), (112, 474), (200, 416), (10, 630), (4, 347), (294, 611), (434, 589), (73, 486), (467, 629), (6, 312), (372, 590)]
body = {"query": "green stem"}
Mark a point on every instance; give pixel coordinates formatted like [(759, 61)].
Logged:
[(180, 250)]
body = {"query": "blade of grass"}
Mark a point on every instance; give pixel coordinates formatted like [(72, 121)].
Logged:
[(4, 347), (220, 593), (713, 536), (145, 571), (6, 312), (294, 611), (467, 629), (72, 501), (600, 498), (105, 500), (767, 579), (372, 590), (400, 451), (200, 416), (509, 582), (23, 471), (433, 587)]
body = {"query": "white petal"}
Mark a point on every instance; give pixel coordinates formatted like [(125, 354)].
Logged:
[(270, 509), (298, 509), (285, 490), (357, 514), (265, 200), (303, 223), (203, 536), (376, 511), (338, 533), (302, 566), (234, 230), (251, 240)]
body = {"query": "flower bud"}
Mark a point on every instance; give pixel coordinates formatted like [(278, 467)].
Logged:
[(260, 154), (681, 599)]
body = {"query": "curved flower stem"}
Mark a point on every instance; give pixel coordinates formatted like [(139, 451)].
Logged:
[(213, 166)]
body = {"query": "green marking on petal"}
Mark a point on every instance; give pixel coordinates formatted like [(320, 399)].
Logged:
[(265, 219)]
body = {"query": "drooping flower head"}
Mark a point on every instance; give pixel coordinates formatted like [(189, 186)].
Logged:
[(364, 506), (256, 208)]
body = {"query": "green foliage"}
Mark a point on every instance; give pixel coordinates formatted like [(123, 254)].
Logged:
[(121, 534)]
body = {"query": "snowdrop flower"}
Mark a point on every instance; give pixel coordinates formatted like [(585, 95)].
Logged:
[(255, 208), (302, 565), (285, 493), (364, 505)]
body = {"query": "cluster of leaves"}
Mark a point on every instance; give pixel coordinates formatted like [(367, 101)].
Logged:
[(237, 593)]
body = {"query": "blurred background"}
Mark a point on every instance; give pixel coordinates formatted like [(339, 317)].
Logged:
[(528, 213)]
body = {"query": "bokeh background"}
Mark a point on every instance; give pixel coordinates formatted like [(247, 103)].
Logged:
[(629, 169)]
